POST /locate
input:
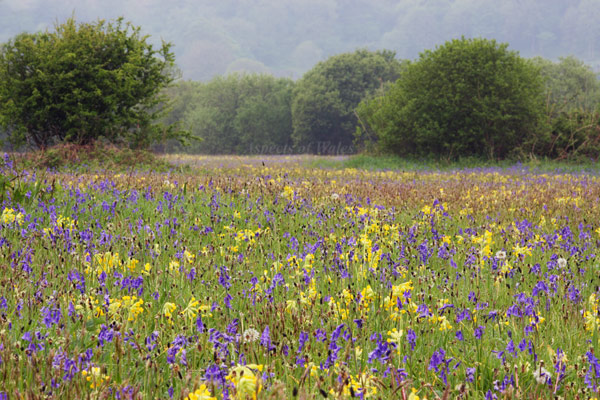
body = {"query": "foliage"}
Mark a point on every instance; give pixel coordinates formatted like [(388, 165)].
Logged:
[(573, 135), (180, 98), (82, 82), (326, 96), (467, 97), (570, 85), (241, 114), (572, 123), (98, 156)]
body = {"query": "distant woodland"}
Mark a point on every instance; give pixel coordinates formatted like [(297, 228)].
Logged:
[(288, 37), (442, 78)]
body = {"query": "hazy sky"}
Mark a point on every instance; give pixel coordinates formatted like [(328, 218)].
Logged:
[(287, 37)]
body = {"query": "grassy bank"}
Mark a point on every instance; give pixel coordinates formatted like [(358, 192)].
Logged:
[(395, 163)]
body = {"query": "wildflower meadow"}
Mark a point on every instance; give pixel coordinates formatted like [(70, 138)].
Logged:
[(274, 281)]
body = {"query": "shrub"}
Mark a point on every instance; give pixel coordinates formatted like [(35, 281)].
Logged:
[(468, 97), (82, 82)]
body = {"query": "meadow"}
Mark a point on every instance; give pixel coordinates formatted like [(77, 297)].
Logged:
[(252, 280)]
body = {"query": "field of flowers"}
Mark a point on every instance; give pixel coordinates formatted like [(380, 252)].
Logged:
[(279, 281)]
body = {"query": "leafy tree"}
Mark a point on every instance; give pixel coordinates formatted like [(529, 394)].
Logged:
[(241, 114), (82, 82), (570, 85), (572, 105), (180, 98), (468, 97), (326, 96)]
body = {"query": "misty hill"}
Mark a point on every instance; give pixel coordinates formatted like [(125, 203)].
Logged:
[(288, 37)]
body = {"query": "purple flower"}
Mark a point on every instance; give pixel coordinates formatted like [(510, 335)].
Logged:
[(472, 298), (459, 335), (437, 358), (573, 294), (514, 311), (423, 311), (51, 316), (463, 315), (382, 352), (539, 287), (214, 374), (411, 336), (224, 279), (490, 395), (470, 376), (510, 348), (560, 366), (320, 335), (439, 363), (302, 341), (199, 324), (150, 341), (183, 358), (70, 369), (265, 339), (106, 335), (445, 307), (479, 331), (233, 327), (593, 373), (337, 332), (227, 300)]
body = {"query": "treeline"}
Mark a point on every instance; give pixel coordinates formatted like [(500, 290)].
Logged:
[(262, 114), (468, 97)]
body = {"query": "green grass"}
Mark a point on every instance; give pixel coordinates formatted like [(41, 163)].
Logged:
[(396, 163)]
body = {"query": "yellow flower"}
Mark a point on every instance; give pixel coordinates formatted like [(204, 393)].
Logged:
[(367, 294), (291, 306), (168, 309), (518, 250), (174, 265), (288, 193), (8, 217), (192, 309), (395, 336), (147, 269), (189, 257), (132, 264), (95, 377), (202, 393), (247, 385), (399, 290), (413, 395), (444, 324)]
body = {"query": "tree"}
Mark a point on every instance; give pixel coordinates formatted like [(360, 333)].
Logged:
[(569, 85), (326, 96), (83, 82), (468, 97), (241, 114), (572, 104)]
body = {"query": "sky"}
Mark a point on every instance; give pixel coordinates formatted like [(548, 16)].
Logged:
[(288, 37)]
